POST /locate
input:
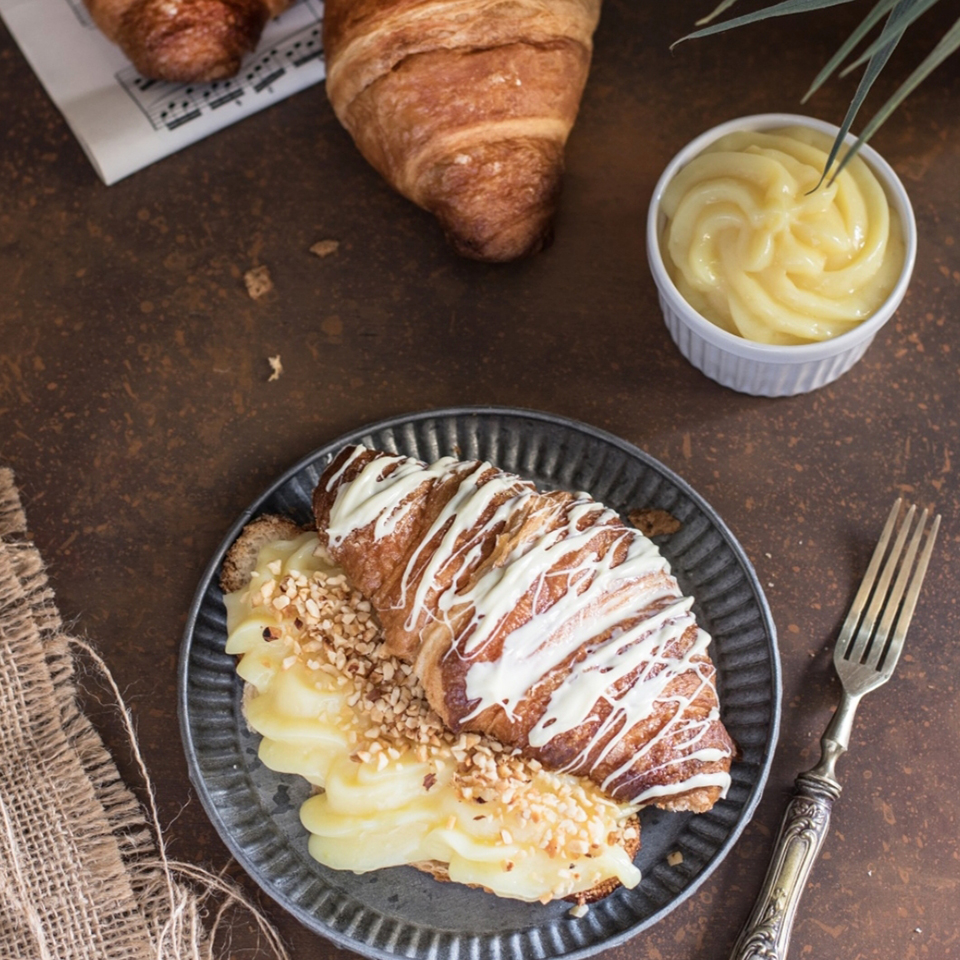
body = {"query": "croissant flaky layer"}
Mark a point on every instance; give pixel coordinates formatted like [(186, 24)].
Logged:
[(185, 40), (538, 618), (464, 106)]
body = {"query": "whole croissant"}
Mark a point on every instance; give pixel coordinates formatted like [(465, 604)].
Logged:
[(464, 106), (538, 618), (184, 40)]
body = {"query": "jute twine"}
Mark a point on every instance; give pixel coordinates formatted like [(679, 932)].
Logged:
[(83, 869)]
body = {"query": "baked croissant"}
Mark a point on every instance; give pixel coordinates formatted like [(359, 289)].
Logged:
[(464, 106), (184, 40), (540, 619)]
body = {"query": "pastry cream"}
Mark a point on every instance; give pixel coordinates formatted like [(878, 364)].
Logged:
[(393, 786), (755, 246)]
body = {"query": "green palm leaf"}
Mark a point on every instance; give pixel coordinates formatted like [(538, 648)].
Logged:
[(716, 13), (948, 44), (866, 25), (917, 7), (890, 35), (782, 9), (896, 16)]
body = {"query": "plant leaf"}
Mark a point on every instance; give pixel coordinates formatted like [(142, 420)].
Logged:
[(917, 9), (892, 32), (899, 15), (782, 9), (725, 5), (869, 21), (949, 44)]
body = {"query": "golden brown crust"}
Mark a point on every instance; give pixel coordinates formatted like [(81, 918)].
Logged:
[(241, 558), (654, 523), (464, 106), (365, 39), (185, 40)]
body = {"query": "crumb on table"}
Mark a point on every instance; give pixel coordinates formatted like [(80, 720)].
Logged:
[(258, 281), (324, 248)]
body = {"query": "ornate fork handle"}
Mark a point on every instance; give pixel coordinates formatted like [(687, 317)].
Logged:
[(766, 934)]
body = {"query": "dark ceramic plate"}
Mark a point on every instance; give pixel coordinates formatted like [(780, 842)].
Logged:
[(400, 911)]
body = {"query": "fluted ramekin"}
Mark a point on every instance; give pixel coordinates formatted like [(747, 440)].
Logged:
[(759, 368)]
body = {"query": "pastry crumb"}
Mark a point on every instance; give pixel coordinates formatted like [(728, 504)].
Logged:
[(580, 910), (276, 366), (675, 858), (324, 248), (654, 523), (258, 282)]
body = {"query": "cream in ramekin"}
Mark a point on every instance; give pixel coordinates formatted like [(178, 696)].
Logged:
[(767, 285)]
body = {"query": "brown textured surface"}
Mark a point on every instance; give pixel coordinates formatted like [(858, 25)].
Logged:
[(136, 410)]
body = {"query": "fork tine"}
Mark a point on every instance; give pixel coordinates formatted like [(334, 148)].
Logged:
[(878, 602), (866, 585), (892, 654), (892, 602)]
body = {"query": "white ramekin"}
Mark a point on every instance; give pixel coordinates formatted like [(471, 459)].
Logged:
[(759, 368)]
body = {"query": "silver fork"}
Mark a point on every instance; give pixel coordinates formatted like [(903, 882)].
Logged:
[(865, 655)]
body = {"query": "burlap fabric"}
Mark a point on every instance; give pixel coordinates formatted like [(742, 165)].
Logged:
[(82, 869)]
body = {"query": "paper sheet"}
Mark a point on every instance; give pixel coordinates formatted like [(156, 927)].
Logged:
[(125, 122)]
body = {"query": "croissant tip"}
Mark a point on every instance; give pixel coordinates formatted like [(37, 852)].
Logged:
[(190, 40), (500, 207), (500, 249)]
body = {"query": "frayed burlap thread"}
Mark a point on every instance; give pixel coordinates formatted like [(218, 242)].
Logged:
[(83, 870)]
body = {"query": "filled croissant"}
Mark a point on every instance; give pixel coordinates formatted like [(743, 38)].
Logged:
[(393, 785), (464, 106), (185, 40), (540, 619)]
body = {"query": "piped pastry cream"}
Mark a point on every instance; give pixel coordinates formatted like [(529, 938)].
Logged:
[(393, 784), (758, 245)]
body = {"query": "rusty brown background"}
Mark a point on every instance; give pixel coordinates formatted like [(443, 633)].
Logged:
[(136, 410)]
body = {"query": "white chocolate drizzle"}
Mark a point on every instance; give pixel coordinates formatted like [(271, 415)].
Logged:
[(594, 605)]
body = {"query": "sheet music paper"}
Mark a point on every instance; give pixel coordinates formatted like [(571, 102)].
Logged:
[(125, 122)]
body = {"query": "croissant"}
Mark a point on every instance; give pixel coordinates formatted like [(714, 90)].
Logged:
[(464, 107), (540, 619), (184, 40)]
